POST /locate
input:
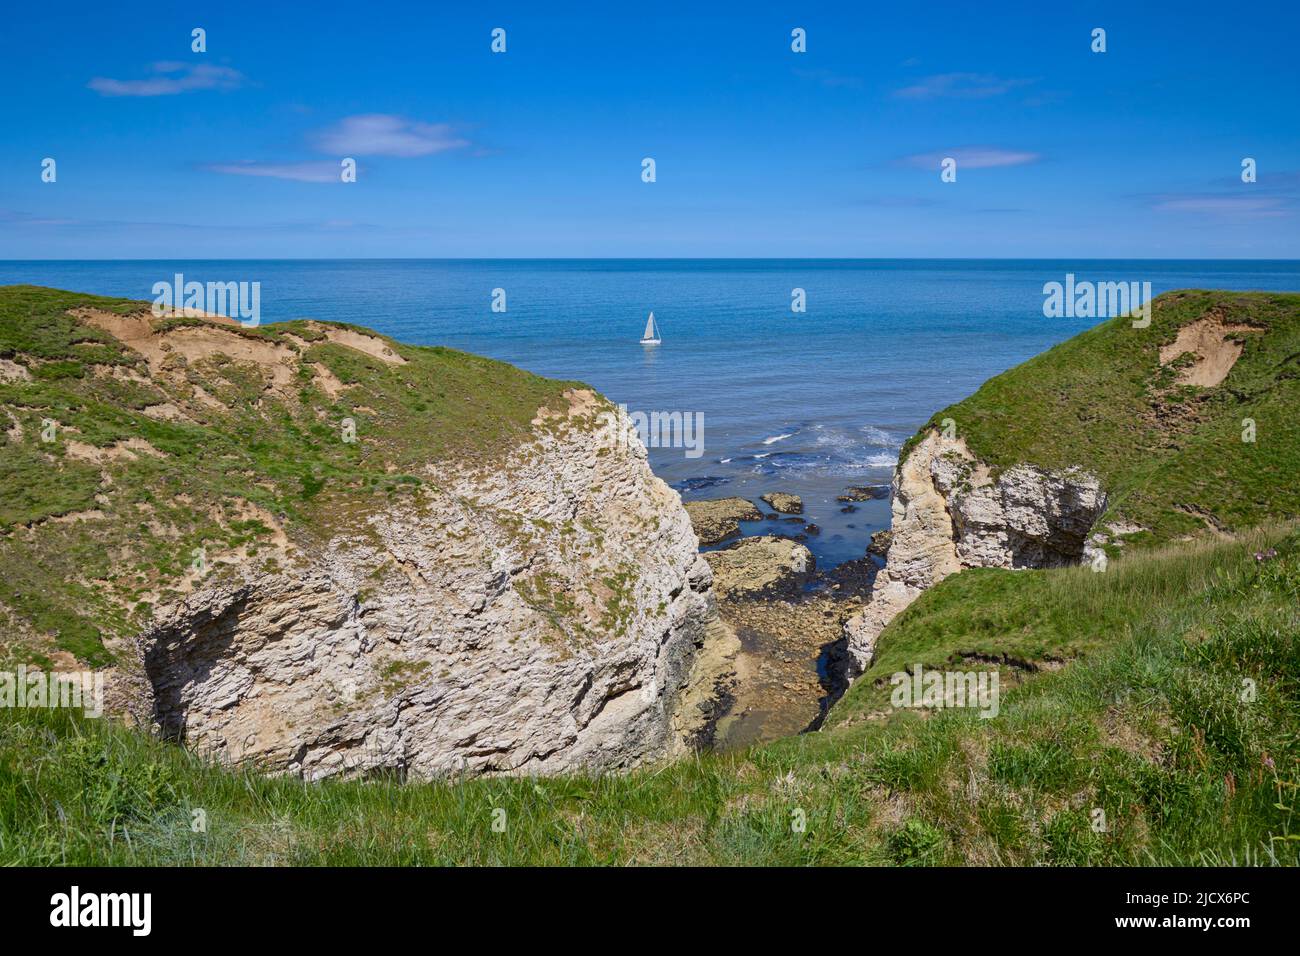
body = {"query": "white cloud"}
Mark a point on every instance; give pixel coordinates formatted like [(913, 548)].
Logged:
[(324, 171), (371, 134), (382, 134), (171, 78), (973, 157)]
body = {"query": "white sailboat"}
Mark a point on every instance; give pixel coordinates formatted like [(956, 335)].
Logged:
[(651, 336)]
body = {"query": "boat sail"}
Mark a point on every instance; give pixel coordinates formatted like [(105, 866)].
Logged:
[(651, 336)]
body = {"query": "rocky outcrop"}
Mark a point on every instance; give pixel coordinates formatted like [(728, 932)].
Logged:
[(951, 512), (784, 503), (547, 614), (863, 493), (718, 519), (761, 566)]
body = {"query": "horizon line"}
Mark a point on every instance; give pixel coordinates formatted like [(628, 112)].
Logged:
[(669, 259)]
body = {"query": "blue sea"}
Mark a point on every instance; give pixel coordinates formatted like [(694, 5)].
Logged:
[(807, 403)]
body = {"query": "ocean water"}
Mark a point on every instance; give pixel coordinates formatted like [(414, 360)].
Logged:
[(807, 403)]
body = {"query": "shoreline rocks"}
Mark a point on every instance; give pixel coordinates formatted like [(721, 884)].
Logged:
[(758, 566), (717, 519), (784, 503), (787, 679), (864, 493), (880, 543)]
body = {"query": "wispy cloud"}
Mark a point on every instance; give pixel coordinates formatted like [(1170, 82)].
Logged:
[(370, 134), (972, 157), (318, 171), (1275, 195), (1284, 182), (170, 78), (383, 134), (1250, 207), (960, 85)]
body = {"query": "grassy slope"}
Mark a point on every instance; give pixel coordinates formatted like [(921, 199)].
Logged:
[(1103, 400), (69, 585), (1151, 728)]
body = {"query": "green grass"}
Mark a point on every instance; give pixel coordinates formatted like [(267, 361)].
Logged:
[(1171, 458), (1150, 727), (1025, 621), (73, 586)]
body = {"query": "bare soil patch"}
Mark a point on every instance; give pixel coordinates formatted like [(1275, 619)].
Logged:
[(1215, 345)]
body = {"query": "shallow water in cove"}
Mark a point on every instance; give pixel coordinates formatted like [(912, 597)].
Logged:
[(805, 403)]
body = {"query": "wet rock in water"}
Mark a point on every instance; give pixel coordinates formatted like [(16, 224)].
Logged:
[(795, 520), (879, 542), (772, 517), (848, 509), (853, 577), (812, 529), (784, 503), (718, 519), (864, 493), (700, 483), (758, 566)]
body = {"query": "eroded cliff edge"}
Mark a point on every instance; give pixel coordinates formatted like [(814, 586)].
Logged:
[(551, 614), (315, 550), (952, 511), (1128, 435)]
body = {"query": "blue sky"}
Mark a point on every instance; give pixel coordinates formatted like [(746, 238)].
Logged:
[(760, 151)]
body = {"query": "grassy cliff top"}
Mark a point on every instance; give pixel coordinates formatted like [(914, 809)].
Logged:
[(1158, 413), (128, 441)]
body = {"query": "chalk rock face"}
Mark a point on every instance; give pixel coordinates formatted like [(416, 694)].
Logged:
[(544, 616), (950, 513)]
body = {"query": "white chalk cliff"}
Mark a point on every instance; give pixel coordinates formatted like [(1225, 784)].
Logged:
[(551, 614), (950, 512)]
